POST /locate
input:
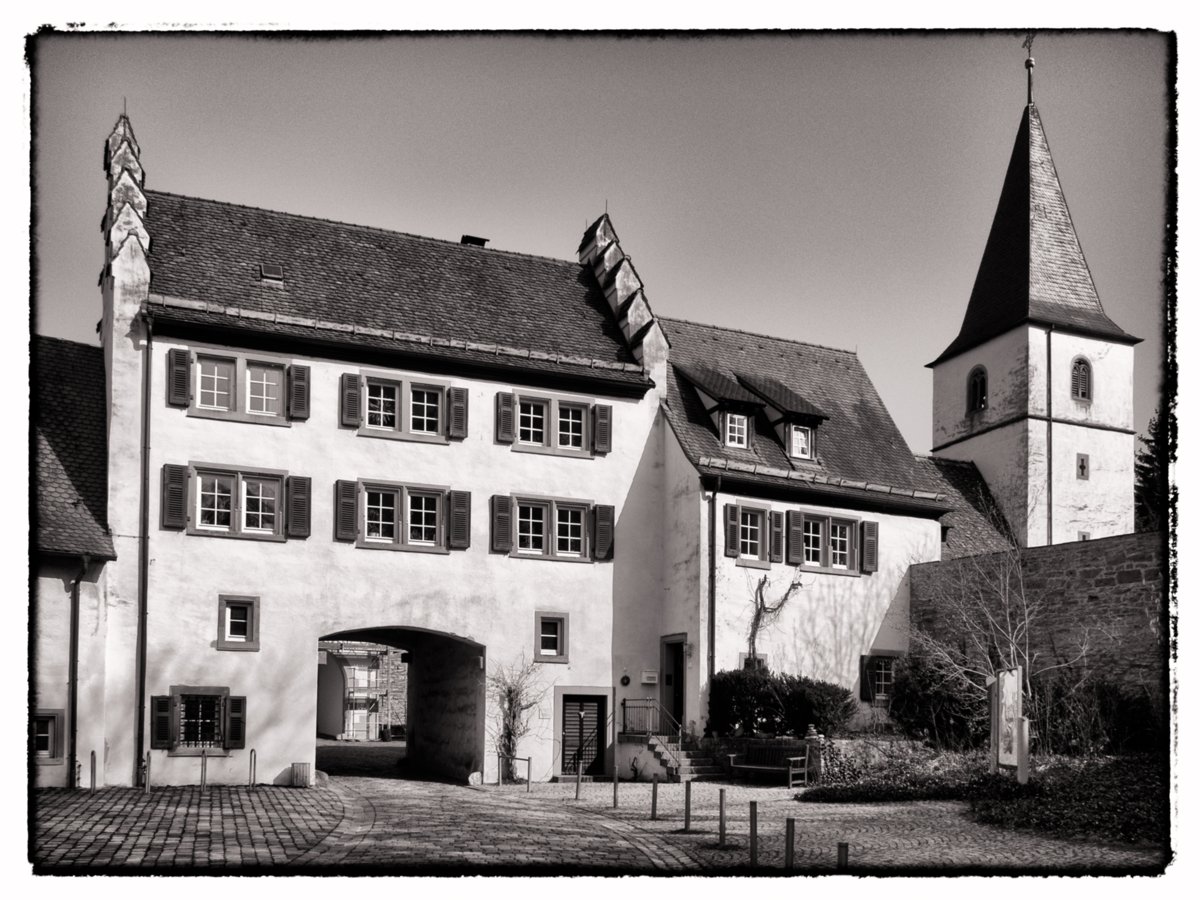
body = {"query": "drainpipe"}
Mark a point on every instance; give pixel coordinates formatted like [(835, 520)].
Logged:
[(73, 672), (712, 579), (143, 555), (1049, 440)]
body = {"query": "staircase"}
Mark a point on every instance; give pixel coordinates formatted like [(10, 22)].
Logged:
[(683, 764)]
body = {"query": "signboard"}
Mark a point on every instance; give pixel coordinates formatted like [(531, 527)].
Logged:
[(1008, 702)]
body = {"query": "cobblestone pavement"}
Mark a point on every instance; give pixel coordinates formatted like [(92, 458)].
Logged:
[(391, 826)]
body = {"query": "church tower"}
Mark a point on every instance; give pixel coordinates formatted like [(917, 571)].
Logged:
[(1037, 389)]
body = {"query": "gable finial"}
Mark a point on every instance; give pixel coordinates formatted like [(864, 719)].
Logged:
[(1028, 45)]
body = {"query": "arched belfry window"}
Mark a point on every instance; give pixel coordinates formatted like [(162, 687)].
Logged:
[(1081, 379), (977, 396)]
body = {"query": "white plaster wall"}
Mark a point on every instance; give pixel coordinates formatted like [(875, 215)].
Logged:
[(1112, 381), (833, 619), (314, 587), (1013, 468), (1006, 359), (1101, 505)]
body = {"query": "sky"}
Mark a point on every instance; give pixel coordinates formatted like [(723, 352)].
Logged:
[(829, 187)]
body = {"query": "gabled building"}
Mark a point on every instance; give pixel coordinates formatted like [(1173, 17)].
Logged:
[(307, 431)]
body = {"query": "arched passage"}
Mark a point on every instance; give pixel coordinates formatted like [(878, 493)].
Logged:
[(447, 697)]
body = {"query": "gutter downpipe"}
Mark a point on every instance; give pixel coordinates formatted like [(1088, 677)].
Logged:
[(712, 579), (143, 554), (73, 672), (1049, 440)]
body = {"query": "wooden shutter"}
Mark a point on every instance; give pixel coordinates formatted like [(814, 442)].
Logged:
[(776, 537), (604, 522), (345, 510), (731, 529), (456, 421), (870, 547), (160, 723), (601, 428), (795, 538), (235, 723), (174, 496), (501, 523), (866, 690), (459, 532), (179, 377), (299, 506), (351, 391), (297, 396), (504, 418)]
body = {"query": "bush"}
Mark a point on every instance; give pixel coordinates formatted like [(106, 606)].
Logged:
[(753, 701), (926, 705), (1074, 715)]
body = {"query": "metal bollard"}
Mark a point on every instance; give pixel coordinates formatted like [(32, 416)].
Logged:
[(92, 789), (253, 768), (754, 832), (499, 770), (616, 782), (203, 770), (721, 811), (147, 778), (578, 777), (687, 806), (789, 858), (654, 798), (529, 775), (843, 861)]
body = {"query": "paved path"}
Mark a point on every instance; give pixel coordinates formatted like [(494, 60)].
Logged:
[(387, 825)]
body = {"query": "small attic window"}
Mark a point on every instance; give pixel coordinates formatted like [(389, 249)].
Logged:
[(271, 272)]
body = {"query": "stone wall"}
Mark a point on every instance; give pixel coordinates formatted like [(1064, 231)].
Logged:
[(1112, 589)]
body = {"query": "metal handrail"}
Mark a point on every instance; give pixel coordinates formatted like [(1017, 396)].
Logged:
[(583, 743), (528, 760), (650, 703)]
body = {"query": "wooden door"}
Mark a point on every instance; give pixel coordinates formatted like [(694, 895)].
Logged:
[(584, 736)]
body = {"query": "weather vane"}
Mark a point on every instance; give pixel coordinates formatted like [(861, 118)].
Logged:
[(1028, 45)]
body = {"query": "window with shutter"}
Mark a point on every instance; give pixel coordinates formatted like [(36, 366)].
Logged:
[(460, 520), (179, 378), (457, 421), (345, 507), (198, 720), (552, 424), (299, 506), (298, 393), (174, 496), (226, 501), (422, 518), (351, 400), (502, 523), (752, 535)]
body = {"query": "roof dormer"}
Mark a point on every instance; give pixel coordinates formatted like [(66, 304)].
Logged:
[(731, 407), (794, 418)]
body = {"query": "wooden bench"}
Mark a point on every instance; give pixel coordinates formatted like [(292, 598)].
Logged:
[(790, 760)]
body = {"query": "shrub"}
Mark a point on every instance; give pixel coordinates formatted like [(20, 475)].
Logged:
[(751, 701), (1075, 715), (926, 704)]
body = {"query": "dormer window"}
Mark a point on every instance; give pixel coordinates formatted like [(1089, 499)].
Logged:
[(800, 441), (737, 430), (977, 395)]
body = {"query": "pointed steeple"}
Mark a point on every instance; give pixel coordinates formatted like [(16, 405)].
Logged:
[(1033, 269)]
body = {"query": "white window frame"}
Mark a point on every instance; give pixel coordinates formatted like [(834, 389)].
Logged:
[(403, 386), (551, 443), (537, 409), (226, 640), (240, 387), (397, 401), (737, 430), (251, 382), (793, 449), (238, 512), (552, 507), (439, 418), (54, 755), (401, 521), (761, 559), (827, 522), (564, 629)]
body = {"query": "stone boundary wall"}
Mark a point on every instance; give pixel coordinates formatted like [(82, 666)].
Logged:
[(1112, 587)]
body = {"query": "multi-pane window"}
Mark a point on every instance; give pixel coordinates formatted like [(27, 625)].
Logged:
[(750, 533), (214, 501), (238, 623), (839, 545), (531, 528), (264, 389), (383, 402), (423, 518), (216, 383), (570, 426), (531, 422), (381, 515), (238, 503), (200, 721), (424, 415), (881, 674), (569, 527), (550, 637), (813, 533), (801, 441), (736, 430), (261, 503), (43, 736)]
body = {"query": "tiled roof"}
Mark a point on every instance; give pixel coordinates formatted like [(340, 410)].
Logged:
[(1033, 267), (780, 396), (716, 385), (976, 523), (71, 448), (859, 443), (381, 281)]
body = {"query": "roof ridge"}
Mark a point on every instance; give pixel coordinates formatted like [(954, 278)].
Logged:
[(945, 459), (760, 334), (62, 340), (357, 225)]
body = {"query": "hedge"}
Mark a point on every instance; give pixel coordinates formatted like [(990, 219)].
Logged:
[(760, 702)]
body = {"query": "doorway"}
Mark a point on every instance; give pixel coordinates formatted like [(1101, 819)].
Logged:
[(583, 734), (671, 692)]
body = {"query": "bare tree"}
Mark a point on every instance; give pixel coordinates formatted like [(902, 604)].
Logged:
[(515, 693), (766, 613)]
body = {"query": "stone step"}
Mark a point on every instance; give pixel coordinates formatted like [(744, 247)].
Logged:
[(701, 770), (718, 777)]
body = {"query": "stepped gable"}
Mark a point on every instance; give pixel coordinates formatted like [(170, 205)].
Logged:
[(356, 277), (1033, 268), (70, 449), (975, 521), (858, 442)]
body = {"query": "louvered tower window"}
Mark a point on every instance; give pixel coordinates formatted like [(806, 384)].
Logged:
[(1081, 380)]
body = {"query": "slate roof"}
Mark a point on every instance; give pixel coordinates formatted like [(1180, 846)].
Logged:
[(780, 396), (70, 448), (716, 385), (859, 443), (1033, 268), (976, 523), (208, 254)]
